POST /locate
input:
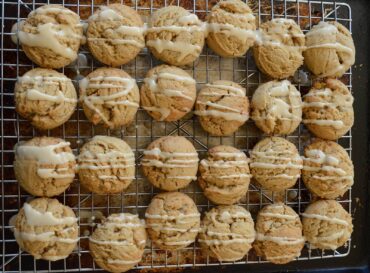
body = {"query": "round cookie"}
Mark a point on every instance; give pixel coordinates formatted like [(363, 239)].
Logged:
[(275, 163), (45, 97), (277, 107), (279, 47), (279, 234), (106, 165), (326, 225), (330, 50), (172, 220), (224, 175), (44, 166), (327, 109), (51, 36), (227, 233), (46, 229), (115, 34), (109, 96), (168, 93), (231, 28), (170, 163), (222, 107), (117, 244), (175, 36), (327, 169)]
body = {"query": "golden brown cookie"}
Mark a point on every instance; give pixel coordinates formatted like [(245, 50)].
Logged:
[(330, 50), (231, 28), (175, 36), (279, 47), (106, 165), (327, 169), (44, 166), (172, 220), (327, 109), (46, 229), (51, 36), (170, 163), (222, 107), (168, 93), (109, 96), (115, 34), (45, 97)]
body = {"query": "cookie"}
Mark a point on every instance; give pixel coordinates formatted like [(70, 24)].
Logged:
[(170, 163), (117, 244), (51, 36), (106, 165), (227, 233), (168, 93), (172, 220), (275, 163), (222, 107), (224, 175), (46, 229), (175, 36), (277, 107), (231, 28), (279, 234), (327, 169), (330, 50), (326, 225), (115, 34), (45, 97), (109, 96), (44, 166), (327, 109), (279, 47)]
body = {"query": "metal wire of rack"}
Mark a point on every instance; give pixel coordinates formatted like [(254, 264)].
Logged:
[(135, 199)]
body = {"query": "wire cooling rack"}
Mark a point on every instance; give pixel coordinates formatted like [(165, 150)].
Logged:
[(135, 199)]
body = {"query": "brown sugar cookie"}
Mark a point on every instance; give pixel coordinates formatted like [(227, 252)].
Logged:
[(275, 163), (170, 163), (44, 166), (46, 229), (279, 234), (115, 34), (326, 225), (109, 96), (224, 175), (279, 47), (175, 36), (45, 97), (231, 28), (168, 93), (327, 109), (327, 169), (117, 244), (277, 107), (106, 165), (330, 50), (172, 220), (51, 36), (222, 107), (227, 233)]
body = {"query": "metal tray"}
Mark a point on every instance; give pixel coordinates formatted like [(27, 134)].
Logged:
[(135, 199)]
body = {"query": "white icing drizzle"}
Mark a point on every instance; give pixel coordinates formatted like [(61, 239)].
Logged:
[(34, 94), (113, 261), (263, 165), (106, 13), (175, 29), (331, 237), (226, 242), (173, 162), (279, 215), (229, 154), (185, 177), (43, 79), (327, 178), (43, 237), (169, 228), (225, 115), (231, 30), (111, 242), (240, 175), (279, 240), (333, 220), (103, 177), (119, 41), (219, 106), (327, 168), (51, 173), (222, 163), (184, 48), (47, 37), (178, 243), (171, 217), (225, 216), (337, 124), (104, 167), (319, 92), (37, 218), (236, 91), (337, 46), (165, 112), (320, 157)]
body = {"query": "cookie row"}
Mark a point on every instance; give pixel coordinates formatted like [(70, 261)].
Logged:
[(115, 34), (46, 166), (49, 230), (109, 96)]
